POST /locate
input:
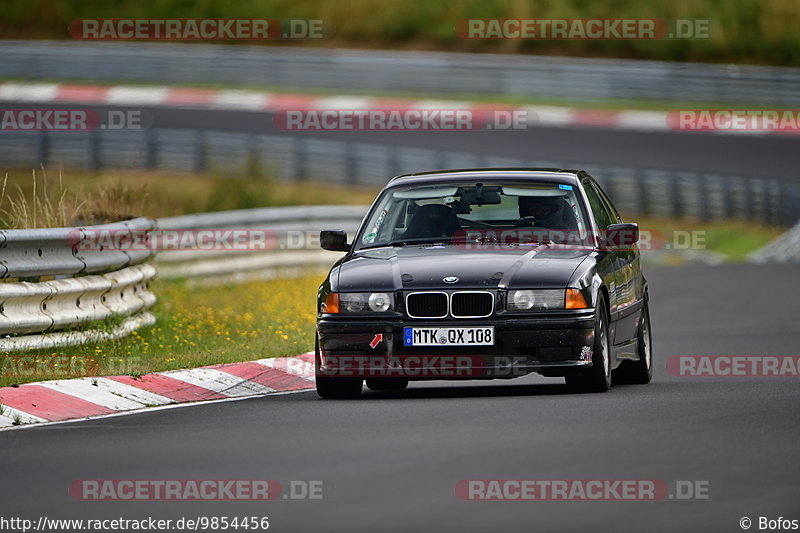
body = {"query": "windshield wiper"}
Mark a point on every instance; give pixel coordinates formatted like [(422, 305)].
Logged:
[(406, 242)]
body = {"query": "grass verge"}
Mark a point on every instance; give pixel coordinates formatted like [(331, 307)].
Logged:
[(52, 198), (195, 327), (734, 239)]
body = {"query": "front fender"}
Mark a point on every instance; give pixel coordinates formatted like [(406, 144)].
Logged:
[(587, 278)]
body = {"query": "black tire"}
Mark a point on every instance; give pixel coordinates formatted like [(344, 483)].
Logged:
[(390, 384), (335, 388), (598, 377), (641, 371), (338, 388)]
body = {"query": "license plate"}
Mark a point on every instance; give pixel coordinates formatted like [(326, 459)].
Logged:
[(472, 336)]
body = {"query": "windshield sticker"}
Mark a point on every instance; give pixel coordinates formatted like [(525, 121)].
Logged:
[(565, 187), (370, 237)]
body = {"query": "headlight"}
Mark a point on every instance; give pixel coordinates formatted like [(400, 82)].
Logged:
[(540, 299), (365, 302), (353, 302), (380, 302)]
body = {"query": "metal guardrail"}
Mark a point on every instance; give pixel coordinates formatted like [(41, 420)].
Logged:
[(57, 251), (544, 77), (635, 190), (92, 284), (784, 249), (44, 313), (292, 229)]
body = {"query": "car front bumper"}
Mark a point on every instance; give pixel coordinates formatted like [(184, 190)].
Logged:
[(554, 345)]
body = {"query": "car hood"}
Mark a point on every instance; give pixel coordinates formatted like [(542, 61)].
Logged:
[(425, 267)]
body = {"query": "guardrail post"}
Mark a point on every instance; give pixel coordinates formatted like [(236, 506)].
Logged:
[(784, 204), (199, 152), (770, 210), (727, 197), (150, 149), (299, 162), (393, 161), (350, 164), (748, 198), (644, 198), (93, 161), (705, 203), (675, 195), (254, 168), (43, 147)]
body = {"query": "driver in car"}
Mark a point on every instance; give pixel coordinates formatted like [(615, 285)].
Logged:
[(551, 212)]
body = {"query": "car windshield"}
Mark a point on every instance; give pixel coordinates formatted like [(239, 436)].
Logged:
[(448, 212)]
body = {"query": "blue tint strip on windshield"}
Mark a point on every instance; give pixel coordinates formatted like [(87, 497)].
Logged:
[(565, 187)]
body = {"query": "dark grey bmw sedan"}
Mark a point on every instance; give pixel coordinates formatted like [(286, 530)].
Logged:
[(484, 274)]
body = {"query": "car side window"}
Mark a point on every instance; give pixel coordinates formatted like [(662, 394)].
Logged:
[(615, 217), (599, 211)]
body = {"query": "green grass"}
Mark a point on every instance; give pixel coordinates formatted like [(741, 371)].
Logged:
[(734, 239), (753, 31), (195, 327), (54, 198)]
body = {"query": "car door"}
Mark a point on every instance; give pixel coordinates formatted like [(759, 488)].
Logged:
[(609, 265), (627, 278)]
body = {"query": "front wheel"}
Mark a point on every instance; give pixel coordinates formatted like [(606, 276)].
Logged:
[(598, 377), (641, 371)]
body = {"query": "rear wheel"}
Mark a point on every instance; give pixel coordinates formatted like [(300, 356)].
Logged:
[(334, 388), (598, 377), (391, 384)]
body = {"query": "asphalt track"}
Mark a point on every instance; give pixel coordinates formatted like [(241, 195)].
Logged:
[(773, 156), (390, 462)]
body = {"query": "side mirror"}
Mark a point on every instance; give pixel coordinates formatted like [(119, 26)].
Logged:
[(622, 236), (334, 240)]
